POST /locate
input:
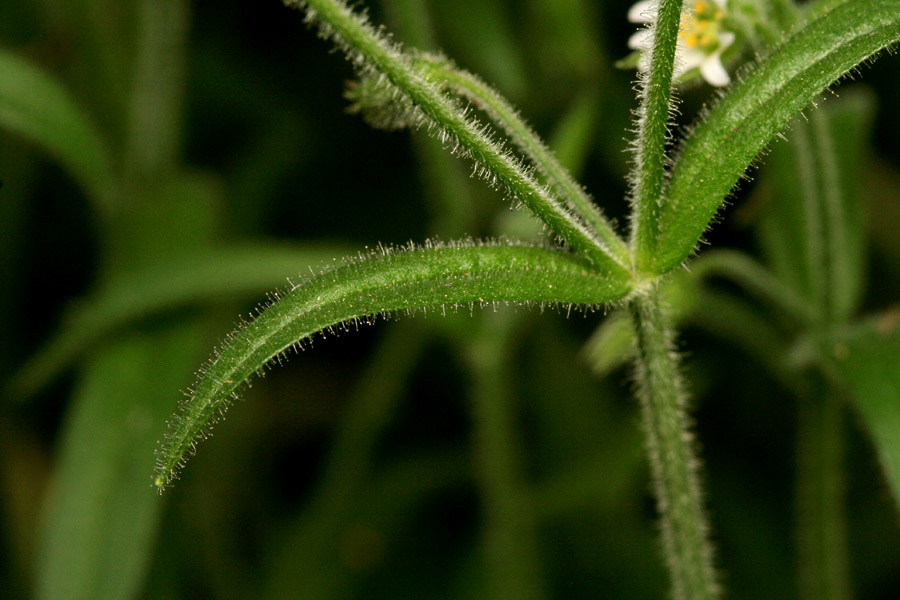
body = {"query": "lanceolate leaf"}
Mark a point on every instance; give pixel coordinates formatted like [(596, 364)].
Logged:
[(99, 521), (747, 118), (523, 137), (374, 55), (648, 171), (37, 107), (443, 278)]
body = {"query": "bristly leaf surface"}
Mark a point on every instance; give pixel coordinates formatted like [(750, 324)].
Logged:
[(746, 119), (440, 277)]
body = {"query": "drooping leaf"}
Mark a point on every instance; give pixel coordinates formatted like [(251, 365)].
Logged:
[(36, 106), (745, 120), (443, 278)]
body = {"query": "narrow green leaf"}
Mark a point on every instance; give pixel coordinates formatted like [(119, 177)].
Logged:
[(36, 106), (373, 54), (521, 135), (233, 273), (443, 278), (744, 121), (100, 521), (866, 358)]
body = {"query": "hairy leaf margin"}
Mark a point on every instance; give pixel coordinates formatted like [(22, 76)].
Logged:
[(385, 281), (746, 119)]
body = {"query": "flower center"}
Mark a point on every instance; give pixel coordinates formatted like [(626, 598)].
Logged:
[(700, 27)]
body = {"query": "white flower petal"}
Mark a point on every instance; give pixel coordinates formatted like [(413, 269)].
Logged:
[(641, 40), (713, 71), (642, 12), (726, 38), (689, 58)]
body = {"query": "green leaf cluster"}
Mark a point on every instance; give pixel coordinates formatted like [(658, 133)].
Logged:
[(169, 160)]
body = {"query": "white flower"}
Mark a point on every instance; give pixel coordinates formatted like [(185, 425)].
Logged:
[(701, 39)]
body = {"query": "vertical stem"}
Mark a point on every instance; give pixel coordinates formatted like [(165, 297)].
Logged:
[(821, 525), (157, 95), (674, 466), (648, 175)]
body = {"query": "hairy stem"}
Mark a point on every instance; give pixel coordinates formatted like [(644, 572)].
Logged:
[(671, 450), (648, 174)]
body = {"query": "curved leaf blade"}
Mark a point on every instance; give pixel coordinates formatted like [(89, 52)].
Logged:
[(430, 277), (35, 105), (746, 119)]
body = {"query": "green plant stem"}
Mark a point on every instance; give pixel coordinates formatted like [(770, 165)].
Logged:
[(372, 51), (670, 447), (153, 125), (821, 523), (648, 174)]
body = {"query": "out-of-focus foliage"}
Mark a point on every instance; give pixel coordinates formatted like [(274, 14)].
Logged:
[(186, 142)]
